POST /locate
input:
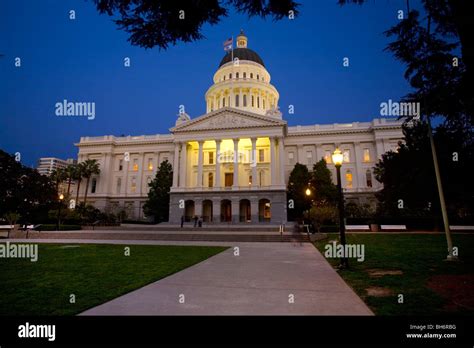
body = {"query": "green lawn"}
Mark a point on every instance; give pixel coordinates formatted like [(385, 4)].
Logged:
[(420, 259), (94, 273)]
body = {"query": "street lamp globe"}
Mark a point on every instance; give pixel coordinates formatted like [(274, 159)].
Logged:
[(337, 157), (61, 197), (308, 192)]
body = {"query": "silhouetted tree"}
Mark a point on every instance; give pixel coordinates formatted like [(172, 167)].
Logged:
[(157, 205)]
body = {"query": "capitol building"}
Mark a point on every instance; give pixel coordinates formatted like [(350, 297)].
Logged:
[(232, 163)]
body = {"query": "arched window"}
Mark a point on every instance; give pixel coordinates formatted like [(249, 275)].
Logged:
[(223, 102), (368, 178), (258, 102), (251, 75), (348, 179), (245, 75), (245, 100), (253, 101), (236, 100), (230, 75), (210, 180)]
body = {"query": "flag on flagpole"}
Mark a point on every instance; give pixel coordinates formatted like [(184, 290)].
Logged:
[(228, 44)]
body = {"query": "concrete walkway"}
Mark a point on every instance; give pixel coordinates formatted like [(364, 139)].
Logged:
[(261, 281)]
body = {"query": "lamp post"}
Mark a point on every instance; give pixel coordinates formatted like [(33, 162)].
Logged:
[(337, 159), (61, 197)]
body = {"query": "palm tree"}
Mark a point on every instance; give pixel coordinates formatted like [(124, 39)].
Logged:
[(58, 175), (70, 176), (90, 167), (78, 175)]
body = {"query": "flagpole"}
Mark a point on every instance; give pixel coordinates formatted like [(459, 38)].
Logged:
[(232, 80)]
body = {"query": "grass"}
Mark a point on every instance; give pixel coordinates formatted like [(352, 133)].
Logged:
[(94, 273), (419, 257)]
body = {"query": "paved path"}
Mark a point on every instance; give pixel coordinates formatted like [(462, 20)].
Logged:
[(258, 282)]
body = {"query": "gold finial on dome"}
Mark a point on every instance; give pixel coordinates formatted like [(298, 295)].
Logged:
[(242, 40)]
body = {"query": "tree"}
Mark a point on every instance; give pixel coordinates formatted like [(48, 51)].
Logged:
[(160, 23), (58, 175), (12, 218), (157, 205), (71, 175), (89, 168), (325, 191), (79, 175), (23, 190), (298, 183), (322, 212)]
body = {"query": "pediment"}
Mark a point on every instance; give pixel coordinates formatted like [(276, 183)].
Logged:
[(227, 118)]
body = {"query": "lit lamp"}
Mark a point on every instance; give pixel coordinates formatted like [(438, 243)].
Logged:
[(337, 159), (61, 197), (308, 192)]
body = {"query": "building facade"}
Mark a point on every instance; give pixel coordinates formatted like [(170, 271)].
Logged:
[(46, 165), (231, 165)]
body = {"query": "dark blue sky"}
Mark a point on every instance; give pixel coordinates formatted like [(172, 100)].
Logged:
[(82, 60)]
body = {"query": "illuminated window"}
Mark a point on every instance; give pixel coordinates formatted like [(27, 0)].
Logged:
[(368, 178), (211, 157), (366, 155), (250, 180), (135, 165), (261, 155), (210, 180), (327, 156), (348, 179), (118, 187), (150, 164), (133, 185), (346, 156)]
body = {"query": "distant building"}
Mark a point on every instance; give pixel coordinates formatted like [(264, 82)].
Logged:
[(46, 165)]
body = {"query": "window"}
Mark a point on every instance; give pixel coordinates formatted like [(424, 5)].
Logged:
[(346, 155), (257, 77), (150, 164), (309, 157), (261, 155), (245, 75), (236, 75), (210, 180), (263, 79), (366, 155), (93, 185), (120, 166), (224, 77), (250, 180), (118, 187), (253, 101), (327, 156), (291, 157), (133, 185), (368, 178), (263, 102), (211, 157), (236, 100), (348, 179), (251, 75), (223, 102), (212, 105), (258, 102), (245, 100), (135, 165), (230, 75)]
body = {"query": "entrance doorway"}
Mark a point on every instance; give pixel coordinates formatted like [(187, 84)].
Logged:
[(229, 179), (226, 211), (245, 213)]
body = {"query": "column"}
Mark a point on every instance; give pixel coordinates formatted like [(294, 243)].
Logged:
[(273, 161), (253, 162), (300, 153), (216, 210), (358, 166), (236, 164), (217, 175), (281, 161), (140, 172), (175, 164), (380, 148), (183, 164), (254, 209), (199, 175)]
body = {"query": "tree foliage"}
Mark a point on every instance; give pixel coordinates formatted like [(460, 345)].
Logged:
[(325, 191), (298, 182), (157, 205), (160, 23)]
